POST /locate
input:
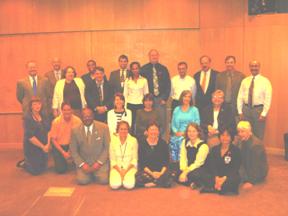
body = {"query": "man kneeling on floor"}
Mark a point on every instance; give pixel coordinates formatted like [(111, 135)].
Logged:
[(90, 149)]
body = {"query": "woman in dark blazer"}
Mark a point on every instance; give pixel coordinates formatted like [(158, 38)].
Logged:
[(215, 117)]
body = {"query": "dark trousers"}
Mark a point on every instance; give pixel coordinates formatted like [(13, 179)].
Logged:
[(231, 185), (143, 178), (198, 176), (174, 104), (134, 108), (60, 163), (35, 159)]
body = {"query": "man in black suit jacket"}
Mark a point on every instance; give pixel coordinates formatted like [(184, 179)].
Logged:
[(159, 83), (118, 77), (99, 95), (89, 76), (205, 81)]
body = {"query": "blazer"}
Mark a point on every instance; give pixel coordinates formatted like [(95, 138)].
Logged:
[(59, 89), (164, 80), (204, 99), (97, 150), (114, 80), (225, 118), (24, 93), (221, 83), (92, 95)]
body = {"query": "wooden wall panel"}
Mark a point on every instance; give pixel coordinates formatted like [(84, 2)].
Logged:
[(11, 128), (70, 15)]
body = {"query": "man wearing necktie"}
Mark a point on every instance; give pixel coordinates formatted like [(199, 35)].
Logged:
[(99, 95), (254, 99), (53, 76), (118, 77), (205, 81), (89, 149), (33, 85), (229, 82), (159, 83)]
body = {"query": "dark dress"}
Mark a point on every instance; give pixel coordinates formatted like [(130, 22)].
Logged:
[(228, 166), (155, 158), (35, 159), (72, 95)]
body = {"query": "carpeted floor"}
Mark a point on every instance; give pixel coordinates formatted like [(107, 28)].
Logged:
[(22, 194)]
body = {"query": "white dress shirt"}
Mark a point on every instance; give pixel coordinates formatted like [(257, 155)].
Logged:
[(262, 93), (135, 91), (58, 74), (90, 128), (178, 85), (207, 79), (31, 80), (215, 118)]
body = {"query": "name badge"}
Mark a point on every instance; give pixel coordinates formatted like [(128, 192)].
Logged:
[(227, 159)]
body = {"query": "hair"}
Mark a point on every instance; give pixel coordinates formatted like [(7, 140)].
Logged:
[(230, 56), (244, 125), (91, 61), (122, 123), (217, 91), (153, 50), (205, 56), (69, 67), (197, 127), (65, 103), (34, 99), (86, 109), (131, 65), (183, 63), (123, 57), (183, 94), (31, 61), (99, 68), (153, 123), (121, 96), (230, 131), (148, 97)]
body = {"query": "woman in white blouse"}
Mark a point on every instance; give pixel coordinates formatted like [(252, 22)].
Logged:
[(119, 113), (123, 158), (193, 154), (70, 89), (135, 87)]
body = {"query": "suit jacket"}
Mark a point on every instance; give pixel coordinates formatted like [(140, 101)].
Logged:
[(114, 80), (87, 78), (50, 75), (93, 98), (96, 150), (24, 93), (204, 99), (163, 79), (221, 83), (225, 118)]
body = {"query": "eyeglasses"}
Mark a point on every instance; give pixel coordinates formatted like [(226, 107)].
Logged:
[(218, 97)]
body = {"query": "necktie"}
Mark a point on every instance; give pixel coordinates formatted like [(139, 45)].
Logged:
[(122, 78), (250, 96), (203, 84), (228, 92), (155, 81), (34, 86), (100, 93), (88, 135)]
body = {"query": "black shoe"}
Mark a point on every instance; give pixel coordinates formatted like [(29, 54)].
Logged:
[(208, 190), (20, 164)]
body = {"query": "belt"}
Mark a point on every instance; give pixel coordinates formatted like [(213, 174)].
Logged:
[(254, 106)]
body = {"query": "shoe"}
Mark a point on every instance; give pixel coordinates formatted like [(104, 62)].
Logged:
[(20, 164), (208, 190)]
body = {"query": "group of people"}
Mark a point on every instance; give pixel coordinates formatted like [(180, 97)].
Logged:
[(115, 130)]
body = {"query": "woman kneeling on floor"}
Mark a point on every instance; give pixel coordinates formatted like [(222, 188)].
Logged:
[(123, 157), (153, 160), (193, 154)]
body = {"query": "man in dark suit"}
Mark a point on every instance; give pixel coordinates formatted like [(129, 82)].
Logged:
[(159, 83), (33, 85), (90, 149), (229, 82), (118, 77), (87, 77), (205, 81), (99, 95), (53, 76)]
